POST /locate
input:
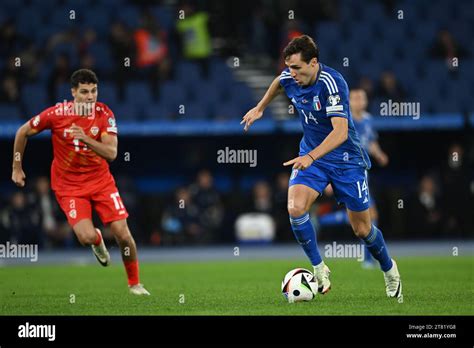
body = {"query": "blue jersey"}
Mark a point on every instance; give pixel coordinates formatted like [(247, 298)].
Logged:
[(365, 130), (316, 104)]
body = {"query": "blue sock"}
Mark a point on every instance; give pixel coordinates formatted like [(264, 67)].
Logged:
[(367, 256), (306, 236), (377, 247)]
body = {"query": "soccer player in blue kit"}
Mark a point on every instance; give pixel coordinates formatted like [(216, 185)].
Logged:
[(368, 140), (330, 152)]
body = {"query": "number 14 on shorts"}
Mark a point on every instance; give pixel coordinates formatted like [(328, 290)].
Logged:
[(363, 188)]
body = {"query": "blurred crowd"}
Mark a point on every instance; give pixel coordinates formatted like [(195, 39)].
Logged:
[(438, 206), (151, 48)]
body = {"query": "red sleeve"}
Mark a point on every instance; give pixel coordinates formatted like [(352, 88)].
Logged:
[(43, 121), (109, 125)]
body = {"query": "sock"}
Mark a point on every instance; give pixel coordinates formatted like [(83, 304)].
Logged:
[(367, 256), (132, 272), (99, 239), (377, 247), (306, 236)]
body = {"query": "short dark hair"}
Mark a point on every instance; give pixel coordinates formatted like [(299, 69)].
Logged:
[(302, 44), (83, 76)]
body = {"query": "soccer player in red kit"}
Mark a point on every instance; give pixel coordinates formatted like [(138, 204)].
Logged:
[(84, 136)]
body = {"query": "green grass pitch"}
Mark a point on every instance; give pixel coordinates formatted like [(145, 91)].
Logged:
[(431, 286)]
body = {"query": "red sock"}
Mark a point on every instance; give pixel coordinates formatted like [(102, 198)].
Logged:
[(99, 239), (132, 272)]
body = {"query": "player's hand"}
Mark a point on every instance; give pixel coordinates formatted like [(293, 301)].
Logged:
[(382, 159), (301, 162), (250, 117), (77, 132), (18, 177)]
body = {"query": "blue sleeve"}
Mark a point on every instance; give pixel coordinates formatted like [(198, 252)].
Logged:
[(337, 97), (285, 78)]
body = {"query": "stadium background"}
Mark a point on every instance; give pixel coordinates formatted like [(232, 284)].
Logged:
[(177, 105)]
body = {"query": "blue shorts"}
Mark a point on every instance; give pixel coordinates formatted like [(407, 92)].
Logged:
[(349, 184)]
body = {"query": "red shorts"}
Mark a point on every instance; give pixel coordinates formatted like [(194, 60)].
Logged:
[(106, 202)]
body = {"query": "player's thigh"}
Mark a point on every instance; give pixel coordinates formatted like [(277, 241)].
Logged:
[(360, 221), (108, 204), (350, 188), (304, 188), (76, 209)]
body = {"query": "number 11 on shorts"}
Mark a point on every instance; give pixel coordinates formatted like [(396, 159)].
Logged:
[(117, 201)]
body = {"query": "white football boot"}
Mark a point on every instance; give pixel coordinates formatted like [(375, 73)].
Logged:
[(322, 272), (393, 283), (138, 289), (100, 251)]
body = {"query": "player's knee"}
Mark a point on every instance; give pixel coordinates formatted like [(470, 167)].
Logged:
[(361, 229), (87, 237), (297, 209), (122, 234)]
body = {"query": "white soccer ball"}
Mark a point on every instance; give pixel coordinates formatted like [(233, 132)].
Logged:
[(299, 285)]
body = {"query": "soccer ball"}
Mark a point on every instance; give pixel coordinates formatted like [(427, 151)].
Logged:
[(299, 285)]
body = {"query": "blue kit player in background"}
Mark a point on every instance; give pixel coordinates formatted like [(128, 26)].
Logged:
[(368, 139), (330, 152)]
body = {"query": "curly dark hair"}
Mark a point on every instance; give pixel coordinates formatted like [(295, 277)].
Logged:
[(83, 76), (302, 44)]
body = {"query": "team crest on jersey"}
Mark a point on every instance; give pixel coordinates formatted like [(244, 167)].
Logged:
[(94, 130), (334, 99), (316, 103), (36, 121)]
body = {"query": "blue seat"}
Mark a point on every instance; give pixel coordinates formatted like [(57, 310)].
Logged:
[(425, 32), (173, 93), (138, 93), (220, 72), (129, 15), (327, 33), (242, 92), (157, 111), (210, 93), (9, 112), (108, 93), (99, 19), (63, 92), (188, 72), (195, 111), (102, 56), (28, 20), (165, 17), (231, 110), (69, 49), (61, 18), (125, 111), (34, 97), (362, 33)]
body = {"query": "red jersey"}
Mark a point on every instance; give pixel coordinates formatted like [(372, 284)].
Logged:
[(76, 169)]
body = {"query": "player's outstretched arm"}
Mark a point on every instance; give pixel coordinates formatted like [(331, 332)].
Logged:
[(21, 137), (257, 112)]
